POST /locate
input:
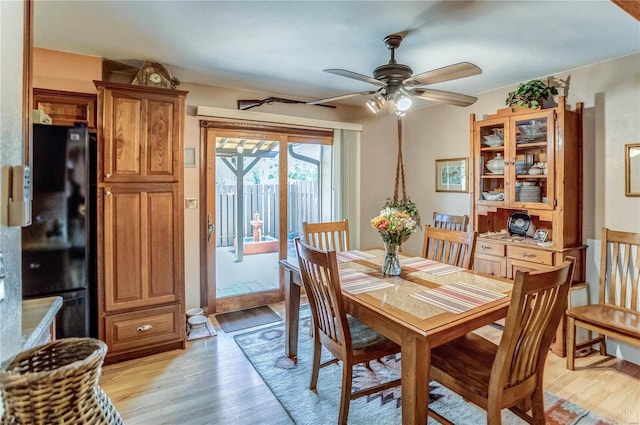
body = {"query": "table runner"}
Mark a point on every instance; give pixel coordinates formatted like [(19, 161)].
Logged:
[(357, 282), (352, 255), (458, 297), (429, 266)]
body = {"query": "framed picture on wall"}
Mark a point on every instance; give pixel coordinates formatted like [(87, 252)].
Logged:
[(632, 169), (451, 175)]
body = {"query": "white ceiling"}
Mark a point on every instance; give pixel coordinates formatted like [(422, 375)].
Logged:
[(281, 47)]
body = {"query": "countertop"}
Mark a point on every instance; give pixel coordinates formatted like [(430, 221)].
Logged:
[(37, 316)]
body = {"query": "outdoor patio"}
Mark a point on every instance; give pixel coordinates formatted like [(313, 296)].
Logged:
[(255, 273)]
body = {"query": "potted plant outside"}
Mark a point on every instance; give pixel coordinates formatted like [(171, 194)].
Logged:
[(534, 94)]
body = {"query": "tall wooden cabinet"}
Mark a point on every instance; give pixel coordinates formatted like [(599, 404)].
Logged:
[(140, 219), (528, 161)]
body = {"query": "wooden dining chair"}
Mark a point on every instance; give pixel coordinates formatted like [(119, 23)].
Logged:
[(347, 339), (451, 222), (509, 375), (617, 312), (331, 235), (449, 246)]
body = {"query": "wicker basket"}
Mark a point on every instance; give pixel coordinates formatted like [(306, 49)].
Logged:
[(57, 383)]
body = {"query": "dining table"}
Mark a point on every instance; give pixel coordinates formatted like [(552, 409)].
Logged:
[(428, 304)]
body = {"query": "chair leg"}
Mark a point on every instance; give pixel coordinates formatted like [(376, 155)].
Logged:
[(345, 398), (603, 345), (315, 368), (571, 343), (537, 407), (494, 413)]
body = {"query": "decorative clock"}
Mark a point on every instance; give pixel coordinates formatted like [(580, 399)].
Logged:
[(155, 75)]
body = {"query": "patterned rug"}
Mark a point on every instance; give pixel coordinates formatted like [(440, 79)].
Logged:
[(290, 384)]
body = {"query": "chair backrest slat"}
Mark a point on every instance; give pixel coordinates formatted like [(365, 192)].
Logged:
[(327, 236), (449, 246), (620, 269), (450, 222)]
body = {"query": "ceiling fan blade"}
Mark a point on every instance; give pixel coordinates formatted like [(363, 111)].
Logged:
[(441, 96), (446, 73), (356, 76), (342, 96)]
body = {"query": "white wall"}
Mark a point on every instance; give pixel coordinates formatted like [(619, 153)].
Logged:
[(11, 153)]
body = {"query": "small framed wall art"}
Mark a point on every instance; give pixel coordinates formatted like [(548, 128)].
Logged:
[(451, 175)]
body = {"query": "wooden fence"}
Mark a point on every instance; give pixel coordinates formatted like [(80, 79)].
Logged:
[(304, 205)]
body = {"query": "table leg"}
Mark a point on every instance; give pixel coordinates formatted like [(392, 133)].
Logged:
[(291, 315), (415, 363)]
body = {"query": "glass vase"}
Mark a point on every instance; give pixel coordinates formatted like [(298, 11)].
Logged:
[(391, 263)]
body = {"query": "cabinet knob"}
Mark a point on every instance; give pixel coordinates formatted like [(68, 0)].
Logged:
[(107, 192), (144, 328), (107, 175), (34, 266)]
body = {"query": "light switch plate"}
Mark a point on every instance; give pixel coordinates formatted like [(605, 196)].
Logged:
[(2, 274), (191, 203)]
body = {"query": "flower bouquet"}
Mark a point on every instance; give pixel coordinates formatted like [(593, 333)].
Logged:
[(395, 223)]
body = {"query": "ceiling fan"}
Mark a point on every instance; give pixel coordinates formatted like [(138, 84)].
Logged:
[(397, 84)]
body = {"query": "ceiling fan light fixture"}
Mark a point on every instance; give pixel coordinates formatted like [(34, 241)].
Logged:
[(375, 104), (401, 101)]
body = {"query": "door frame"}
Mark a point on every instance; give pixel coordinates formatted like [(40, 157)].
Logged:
[(209, 130)]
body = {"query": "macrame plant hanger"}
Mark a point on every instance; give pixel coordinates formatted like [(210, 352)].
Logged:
[(400, 171)]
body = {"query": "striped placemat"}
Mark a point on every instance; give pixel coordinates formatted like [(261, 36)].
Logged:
[(352, 255), (458, 297), (430, 266), (357, 282)]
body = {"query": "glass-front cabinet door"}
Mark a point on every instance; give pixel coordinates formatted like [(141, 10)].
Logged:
[(531, 160), (490, 152), (515, 160)]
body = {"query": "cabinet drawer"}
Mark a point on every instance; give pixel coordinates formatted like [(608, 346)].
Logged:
[(144, 328), (530, 254), (490, 248), (490, 264)]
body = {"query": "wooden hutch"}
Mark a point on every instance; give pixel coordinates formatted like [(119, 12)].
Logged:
[(541, 177)]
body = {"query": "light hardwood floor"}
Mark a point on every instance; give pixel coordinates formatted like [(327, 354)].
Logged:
[(211, 382)]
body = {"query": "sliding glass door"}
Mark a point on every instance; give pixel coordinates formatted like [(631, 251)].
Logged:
[(250, 176)]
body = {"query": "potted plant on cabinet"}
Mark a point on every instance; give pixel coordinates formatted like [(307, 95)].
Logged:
[(534, 94)]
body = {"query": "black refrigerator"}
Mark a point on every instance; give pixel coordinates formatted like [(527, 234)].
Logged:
[(58, 248)]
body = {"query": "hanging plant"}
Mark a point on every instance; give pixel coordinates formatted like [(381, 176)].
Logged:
[(533, 93), (400, 202)]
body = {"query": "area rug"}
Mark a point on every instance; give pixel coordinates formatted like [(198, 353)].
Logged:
[(290, 384), (201, 332), (248, 318)]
